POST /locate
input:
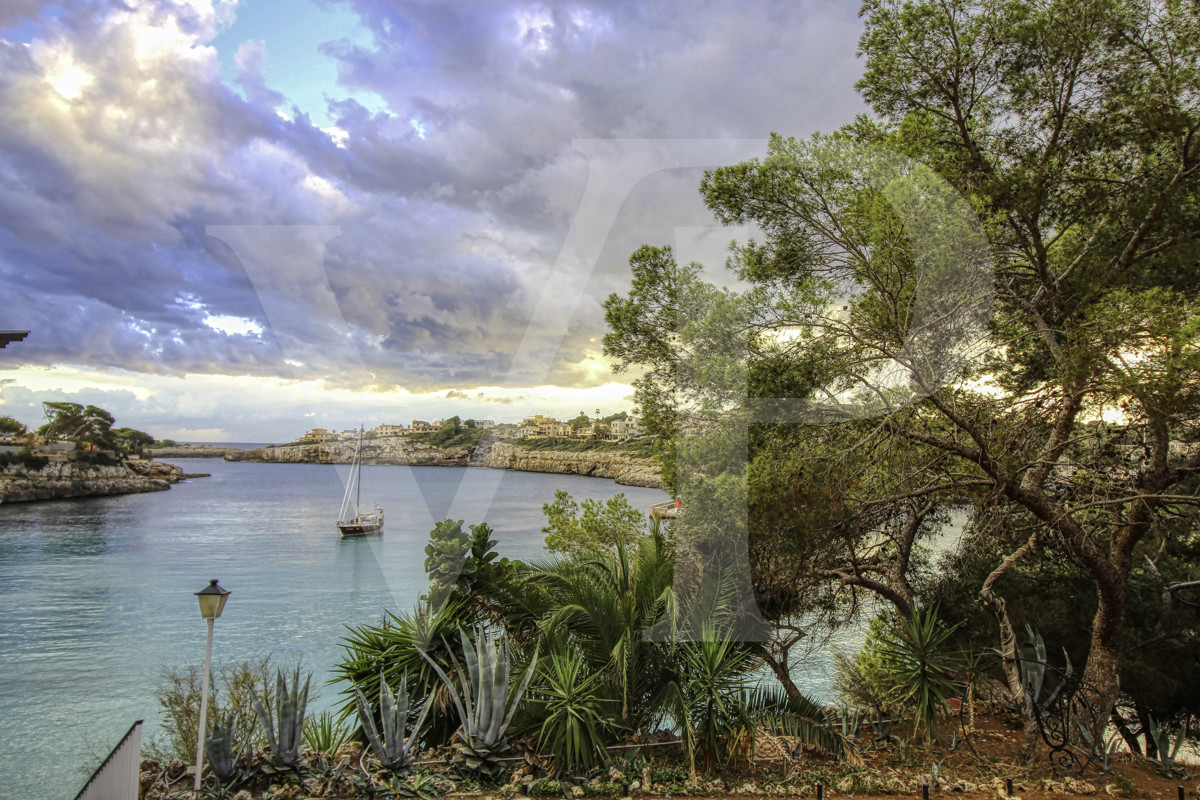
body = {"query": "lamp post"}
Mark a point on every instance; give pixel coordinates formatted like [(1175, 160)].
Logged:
[(212, 603)]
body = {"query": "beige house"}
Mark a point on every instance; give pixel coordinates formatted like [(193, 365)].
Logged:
[(319, 435), (391, 430)]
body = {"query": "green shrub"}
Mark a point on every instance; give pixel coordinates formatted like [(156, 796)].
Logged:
[(230, 692)]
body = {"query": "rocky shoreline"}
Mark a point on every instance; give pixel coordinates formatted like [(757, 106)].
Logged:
[(491, 452), (60, 480)]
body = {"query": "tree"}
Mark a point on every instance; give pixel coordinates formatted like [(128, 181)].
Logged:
[(73, 422), (1071, 133), (10, 426), (597, 526), (129, 440)]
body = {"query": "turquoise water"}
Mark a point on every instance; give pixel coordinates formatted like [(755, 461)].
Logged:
[(96, 594)]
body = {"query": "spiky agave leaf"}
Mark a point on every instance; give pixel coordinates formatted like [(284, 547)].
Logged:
[(285, 732), (393, 749), (220, 746), (482, 700)]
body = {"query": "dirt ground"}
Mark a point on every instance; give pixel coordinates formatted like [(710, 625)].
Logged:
[(980, 765)]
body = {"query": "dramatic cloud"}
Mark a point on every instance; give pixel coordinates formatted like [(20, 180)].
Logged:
[(161, 219)]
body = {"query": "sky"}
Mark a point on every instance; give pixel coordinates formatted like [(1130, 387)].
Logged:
[(234, 221)]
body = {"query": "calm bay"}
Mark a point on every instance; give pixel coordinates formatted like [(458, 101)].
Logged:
[(96, 594)]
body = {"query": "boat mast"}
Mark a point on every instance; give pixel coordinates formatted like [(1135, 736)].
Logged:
[(358, 476)]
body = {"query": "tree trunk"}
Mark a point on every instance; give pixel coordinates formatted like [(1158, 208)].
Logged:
[(1104, 660), (1009, 654)]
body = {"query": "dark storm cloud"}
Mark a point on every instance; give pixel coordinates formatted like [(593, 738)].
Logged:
[(121, 145)]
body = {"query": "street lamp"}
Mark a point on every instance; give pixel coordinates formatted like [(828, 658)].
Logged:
[(212, 603)]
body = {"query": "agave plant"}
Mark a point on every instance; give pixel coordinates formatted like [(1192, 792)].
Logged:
[(221, 747), (483, 701), (1166, 752), (398, 648), (285, 731), (393, 750)]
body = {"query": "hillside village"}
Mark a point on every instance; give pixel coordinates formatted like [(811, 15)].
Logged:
[(614, 428)]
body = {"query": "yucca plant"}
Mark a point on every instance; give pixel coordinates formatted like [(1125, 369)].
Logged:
[(284, 731), (220, 745), (482, 698), (712, 682), (573, 716), (920, 668), (324, 734), (394, 751)]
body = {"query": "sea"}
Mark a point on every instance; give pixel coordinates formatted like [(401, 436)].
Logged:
[(97, 594)]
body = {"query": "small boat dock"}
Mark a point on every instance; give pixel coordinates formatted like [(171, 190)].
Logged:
[(668, 509)]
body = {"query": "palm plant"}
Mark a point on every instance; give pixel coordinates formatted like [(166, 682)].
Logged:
[(799, 717), (573, 716), (710, 694), (393, 750), (604, 608), (482, 698), (284, 730)]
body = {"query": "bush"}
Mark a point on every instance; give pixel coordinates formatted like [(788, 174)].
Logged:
[(229, 691)]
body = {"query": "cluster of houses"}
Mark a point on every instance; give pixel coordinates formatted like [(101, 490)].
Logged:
[(535, 427), (615, 430), (385, 430)]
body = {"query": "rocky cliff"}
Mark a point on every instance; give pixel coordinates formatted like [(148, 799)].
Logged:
[(193, 451), (624, 469), (490, 452), (397, 450), (63, 479)]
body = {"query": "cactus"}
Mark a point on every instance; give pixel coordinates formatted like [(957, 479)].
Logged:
[(483, 702), (220, 747), (392, 749), (286, 731)]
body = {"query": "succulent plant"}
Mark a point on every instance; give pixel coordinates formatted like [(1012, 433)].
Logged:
[(447, 560), (392, 749), (483, 701), (221, 747), (285, 732)]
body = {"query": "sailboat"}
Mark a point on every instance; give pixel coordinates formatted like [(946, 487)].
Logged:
[(356, 523)]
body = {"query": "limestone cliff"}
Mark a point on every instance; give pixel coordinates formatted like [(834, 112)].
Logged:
[(491, 451), (193, 451), (623, 468), (396, 450), (63, 479)]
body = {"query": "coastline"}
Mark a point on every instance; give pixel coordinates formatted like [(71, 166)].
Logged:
[(491, 452), (65, 479)]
